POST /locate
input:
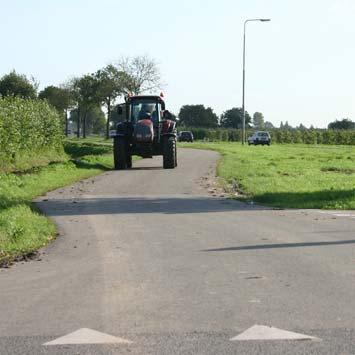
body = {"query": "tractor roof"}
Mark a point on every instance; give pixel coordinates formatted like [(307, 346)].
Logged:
[(145, 97)]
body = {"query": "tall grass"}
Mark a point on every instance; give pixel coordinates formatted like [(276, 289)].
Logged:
[(31, 134)]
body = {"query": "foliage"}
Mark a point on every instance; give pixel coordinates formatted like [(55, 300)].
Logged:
[(139, 74), (268, 125), (197, 116), (285, 126), (111, 85), (14, 84), (58, 97), (80, 148), (345, 123), (86, 94), (258, 120), (233, 118), (30, 134), (95, 119), (306, 136), (86, 91), (297, 176)]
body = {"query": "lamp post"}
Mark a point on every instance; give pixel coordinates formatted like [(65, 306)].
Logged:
[(245, 23)]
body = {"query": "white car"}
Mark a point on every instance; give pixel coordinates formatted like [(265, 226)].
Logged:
[(260, 137)]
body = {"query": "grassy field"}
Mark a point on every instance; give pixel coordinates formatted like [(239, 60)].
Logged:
[(290, 175), (22, 228)]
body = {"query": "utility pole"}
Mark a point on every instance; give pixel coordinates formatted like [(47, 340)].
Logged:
[(243, 100)]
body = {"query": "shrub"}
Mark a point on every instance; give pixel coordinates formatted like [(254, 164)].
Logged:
[(30, 134)]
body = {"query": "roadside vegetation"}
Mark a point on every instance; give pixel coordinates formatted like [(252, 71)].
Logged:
[(289, 175), (30, 134), (278, 135), (22, 228)]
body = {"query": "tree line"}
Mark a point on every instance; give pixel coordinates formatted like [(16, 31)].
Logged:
[(85, 96), (198, 116)]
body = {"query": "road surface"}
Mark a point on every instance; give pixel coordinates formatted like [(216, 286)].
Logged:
[(152, 258)]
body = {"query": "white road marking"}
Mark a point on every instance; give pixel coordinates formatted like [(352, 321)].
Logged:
[(87, 336), (254, 301), (339, 214), (344, 215), (262, 332)]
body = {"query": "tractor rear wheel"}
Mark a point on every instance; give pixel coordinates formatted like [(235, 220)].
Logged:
[(176, 162), (169, 153), (119, 153)]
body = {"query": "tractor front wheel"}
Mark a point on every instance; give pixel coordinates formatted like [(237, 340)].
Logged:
[(119, 153), (169, 153)]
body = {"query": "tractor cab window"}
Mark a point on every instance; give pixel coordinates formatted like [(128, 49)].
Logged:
[(144, 109)]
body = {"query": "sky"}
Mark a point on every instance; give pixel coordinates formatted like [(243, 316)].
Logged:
[(300, 67)]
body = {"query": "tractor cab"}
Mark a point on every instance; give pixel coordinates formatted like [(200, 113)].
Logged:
[(145, 107), (141, 107)]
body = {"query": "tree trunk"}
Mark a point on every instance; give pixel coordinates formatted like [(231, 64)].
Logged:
[(108, 118), (66, 123), (78, 124), (84, 124)]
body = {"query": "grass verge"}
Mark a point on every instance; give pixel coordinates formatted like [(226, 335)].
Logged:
[(290, 175), (23, 229)]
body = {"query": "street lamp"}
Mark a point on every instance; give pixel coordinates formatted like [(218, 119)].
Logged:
[(245, 23)]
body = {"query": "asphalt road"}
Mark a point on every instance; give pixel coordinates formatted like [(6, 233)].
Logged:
[(151, 256)]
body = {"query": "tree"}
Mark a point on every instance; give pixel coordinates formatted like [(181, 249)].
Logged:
[(233, 118), (57, 97), (95, 119), (111, 83), (198, 116), (302, 127), (285, 126), (86, 95), (14, 84), (268, 125), (345, 123), (258, 120), (139, 74), (60, 98)]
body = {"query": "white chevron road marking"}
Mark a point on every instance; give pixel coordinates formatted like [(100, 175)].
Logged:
[(87, 336), (262, 332)]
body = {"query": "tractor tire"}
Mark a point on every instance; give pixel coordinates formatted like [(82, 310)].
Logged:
[(169, 153), (119, 153), (176, 161)]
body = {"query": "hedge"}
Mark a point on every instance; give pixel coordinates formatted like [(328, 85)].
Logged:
[(305, 136), (31, 134)]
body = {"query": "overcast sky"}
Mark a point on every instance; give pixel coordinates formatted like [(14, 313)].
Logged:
[(300, 66)]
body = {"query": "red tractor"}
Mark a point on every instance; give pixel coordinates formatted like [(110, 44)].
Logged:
[(146, 130)]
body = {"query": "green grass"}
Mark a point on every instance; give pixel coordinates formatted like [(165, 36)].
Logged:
[(290, 175), (22, 228)]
